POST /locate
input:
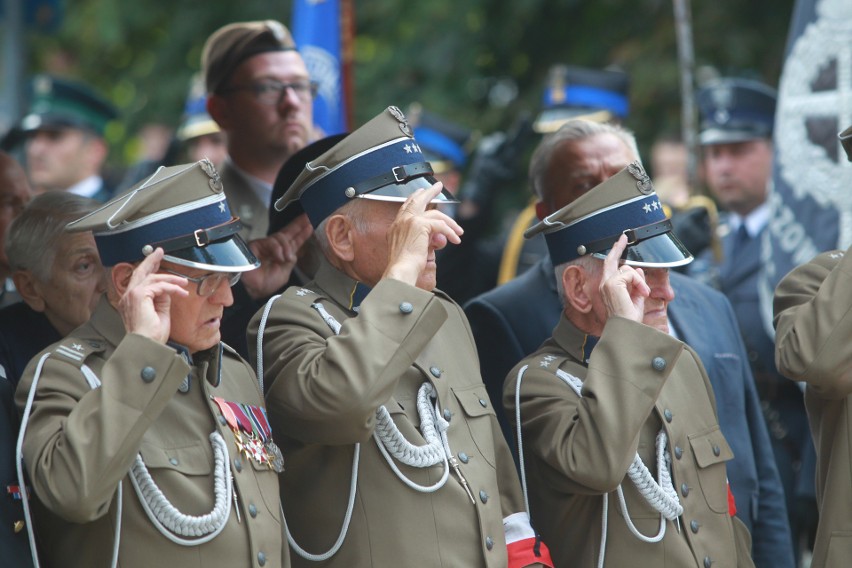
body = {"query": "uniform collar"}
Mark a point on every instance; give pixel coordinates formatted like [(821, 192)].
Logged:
[(87, 187), (342, 289), (261, 189), (754, 222), (577, 344), (107, 322)]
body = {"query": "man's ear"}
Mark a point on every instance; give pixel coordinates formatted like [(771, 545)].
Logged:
[(575, 284), (29, 289), (218, 110), (120, 277), (339, 232)]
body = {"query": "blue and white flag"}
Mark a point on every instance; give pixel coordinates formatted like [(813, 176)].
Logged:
[(320, 29), (811, 209)]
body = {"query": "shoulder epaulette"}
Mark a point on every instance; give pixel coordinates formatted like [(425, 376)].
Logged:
[(76, 350)]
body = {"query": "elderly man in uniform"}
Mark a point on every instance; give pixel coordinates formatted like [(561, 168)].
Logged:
[(581, 155), (616, 418), (146, 438), (812, 328), (394, 454)]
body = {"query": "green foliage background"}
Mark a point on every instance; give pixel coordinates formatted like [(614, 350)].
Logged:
[(447, 54)]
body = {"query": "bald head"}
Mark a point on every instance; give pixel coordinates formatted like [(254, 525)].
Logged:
[(14, 194)]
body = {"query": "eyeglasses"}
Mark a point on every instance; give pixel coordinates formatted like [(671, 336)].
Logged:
[(271, 93), (209, 283)]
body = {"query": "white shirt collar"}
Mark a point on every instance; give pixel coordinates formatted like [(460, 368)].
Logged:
[(754, 222), (87, 187)]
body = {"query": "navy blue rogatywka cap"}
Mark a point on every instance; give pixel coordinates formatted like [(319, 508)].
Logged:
[(181, 209), (58, 103), (627, 204), (379, 161), (735, 110)]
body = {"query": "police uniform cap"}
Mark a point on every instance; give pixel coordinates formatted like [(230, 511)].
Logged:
[(288, 174), (232, 44), (63, 103), (444, 143), (599, 95), (845, 138), (626, 203), (735, 110), (380, 161), (182, 209)]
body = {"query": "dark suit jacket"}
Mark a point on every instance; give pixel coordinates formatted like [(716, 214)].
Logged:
[(23, 333), (512, 320)]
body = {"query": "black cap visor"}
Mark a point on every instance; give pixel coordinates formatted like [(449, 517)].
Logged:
[(662, 251), (230, 254)]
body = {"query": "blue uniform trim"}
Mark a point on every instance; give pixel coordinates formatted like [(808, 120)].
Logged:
[(562, 243), (443, 145), (592, 97), (126, 246), (327, 194)]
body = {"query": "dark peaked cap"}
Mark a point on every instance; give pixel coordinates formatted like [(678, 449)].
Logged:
[(735, 110), (288, 174), (181, 209), (60, 102), (381, 161)]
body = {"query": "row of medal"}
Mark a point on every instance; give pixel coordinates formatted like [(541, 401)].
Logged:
[(252, 433)]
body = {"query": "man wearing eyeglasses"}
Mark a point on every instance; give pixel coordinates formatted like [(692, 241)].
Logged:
[(260, 94), (145, 437)]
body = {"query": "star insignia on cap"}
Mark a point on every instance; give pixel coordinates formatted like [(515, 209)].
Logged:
[(656, 205), (222, 207), (647, 207), (409, 148)]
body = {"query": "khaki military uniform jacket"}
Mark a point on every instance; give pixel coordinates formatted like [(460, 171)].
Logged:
[(577, 449), (322, 393), (244, 203), (81, 442), (813, 331)]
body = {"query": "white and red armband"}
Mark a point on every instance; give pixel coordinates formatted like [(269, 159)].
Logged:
[(523, 545)]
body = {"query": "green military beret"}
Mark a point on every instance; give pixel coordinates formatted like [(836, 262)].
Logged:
[(230, 45)]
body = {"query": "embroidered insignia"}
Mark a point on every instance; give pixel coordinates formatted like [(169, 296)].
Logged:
[(403, 122), (304, 292), (836, 255), (209, 169), (643, 182), (222, 207), (397, 114), (546, 361), (408, 148), (77, 346), (68, 352), (647, 207), (656, 205)]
